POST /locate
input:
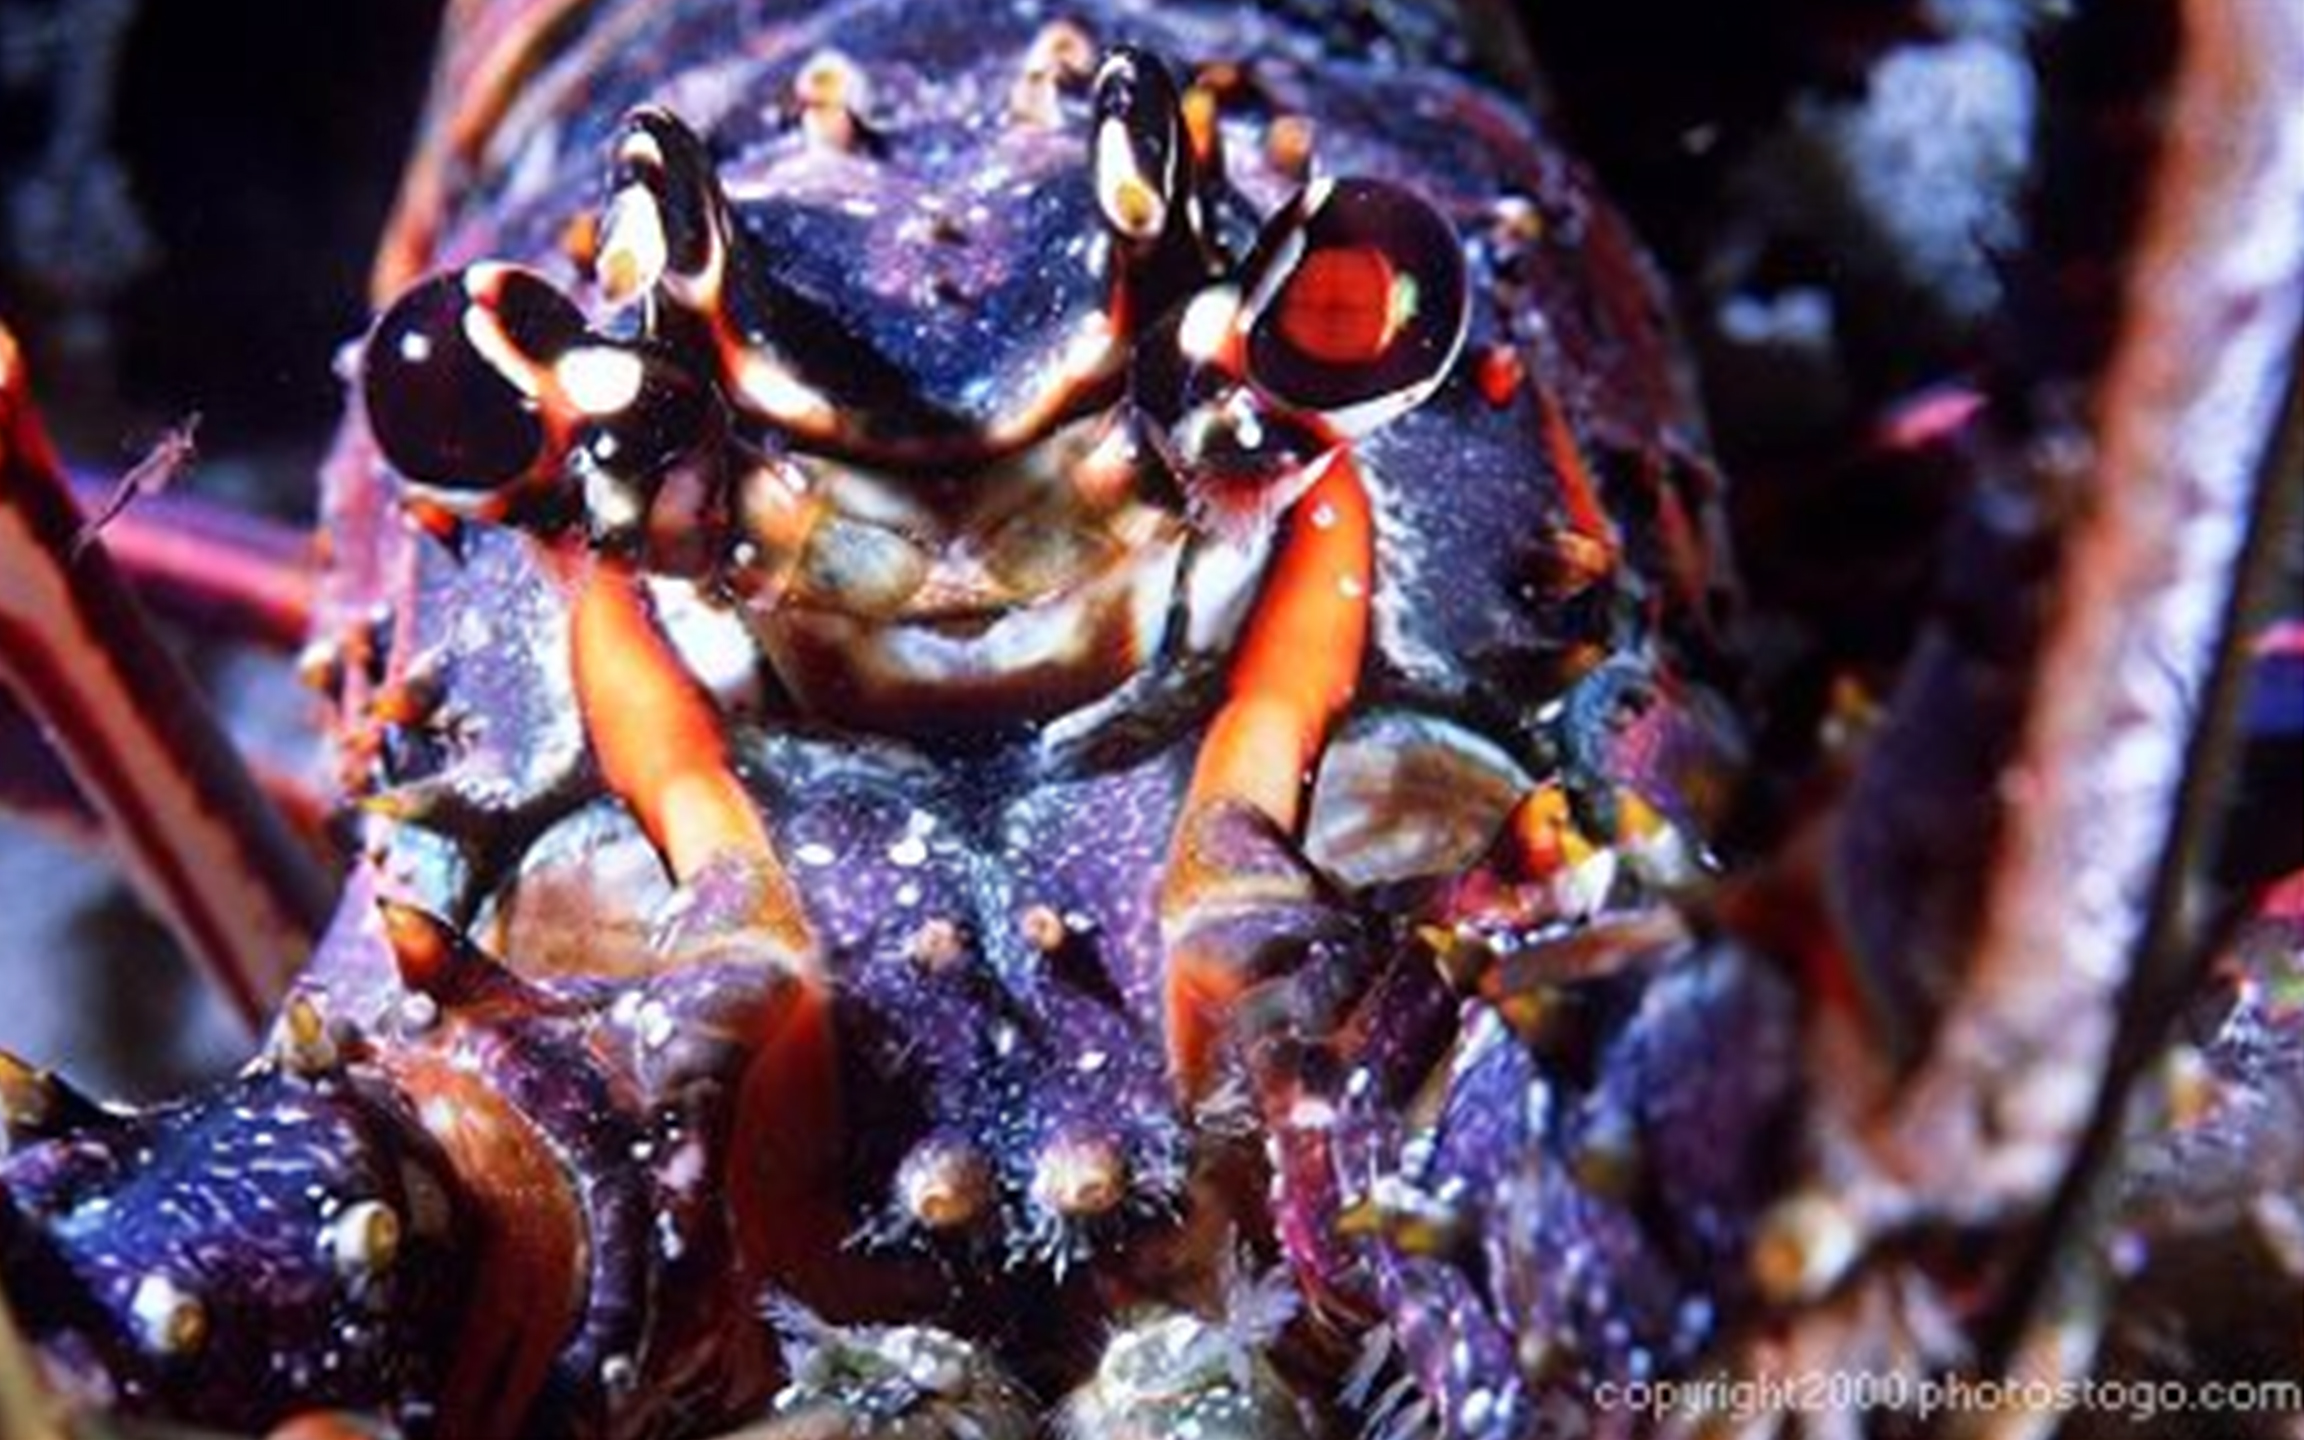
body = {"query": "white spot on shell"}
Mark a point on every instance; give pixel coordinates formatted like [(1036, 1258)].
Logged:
[(908, 852), (418, 1013), (656, 1026), (1207, 324), (1311, 1113), (365, 1239), (601, 379), (169, 1320)]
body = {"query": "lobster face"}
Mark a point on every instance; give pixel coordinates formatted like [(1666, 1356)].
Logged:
[(956, 399)]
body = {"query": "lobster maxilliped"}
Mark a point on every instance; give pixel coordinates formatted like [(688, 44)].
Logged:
[(1037, 708)]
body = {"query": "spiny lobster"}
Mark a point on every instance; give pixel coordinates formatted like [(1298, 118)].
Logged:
[(1039, 706)]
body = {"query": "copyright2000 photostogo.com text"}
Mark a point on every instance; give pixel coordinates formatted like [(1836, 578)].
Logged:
[(1928, 1397)]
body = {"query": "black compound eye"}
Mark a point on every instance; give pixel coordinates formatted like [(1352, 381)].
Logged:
[(455, 372), (1356, 303)]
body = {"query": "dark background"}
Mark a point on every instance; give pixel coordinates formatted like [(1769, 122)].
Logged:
[(255, 145)]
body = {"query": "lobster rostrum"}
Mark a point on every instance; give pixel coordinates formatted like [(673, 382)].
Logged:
[(1034, 708)]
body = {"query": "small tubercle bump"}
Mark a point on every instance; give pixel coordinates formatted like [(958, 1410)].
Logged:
[(302, 1044), (1080, 1176), (944, 1185), (1044, 929), (834, 96), (365, 1240), (170, 1321)]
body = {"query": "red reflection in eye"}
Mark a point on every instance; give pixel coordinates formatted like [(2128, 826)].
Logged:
[(1339, 307)]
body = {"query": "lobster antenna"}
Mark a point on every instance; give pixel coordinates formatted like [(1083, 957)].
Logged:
[(205, 846)]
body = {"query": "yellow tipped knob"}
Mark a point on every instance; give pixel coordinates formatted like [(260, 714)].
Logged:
[(1061, 54), (1288, 145), (1136, 206), (2189, 1086), (365, 1239), (1080, 1177), (27, 1096), (833, 95), (168, 1320), (1199, 109), (303, 1045), (1806, 1243), (633, 250), (1044, 929), (944, 1185), (1063, 49)]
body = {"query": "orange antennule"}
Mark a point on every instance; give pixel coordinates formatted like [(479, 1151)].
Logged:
[(1298, 664), (658, 741), (1297, 668)]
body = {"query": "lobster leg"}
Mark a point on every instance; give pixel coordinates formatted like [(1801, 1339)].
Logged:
[(1223, 913), (205, 846), (2076, 930), (1256, 945), (658, 741), (659, 745), (2142, 597)]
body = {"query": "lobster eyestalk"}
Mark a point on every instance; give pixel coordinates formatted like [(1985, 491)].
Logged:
[(205, 846)]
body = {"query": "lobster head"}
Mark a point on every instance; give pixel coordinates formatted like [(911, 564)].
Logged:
[(960, 404)]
